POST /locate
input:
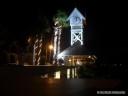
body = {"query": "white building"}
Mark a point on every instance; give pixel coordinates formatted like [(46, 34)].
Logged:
[(76, 53)]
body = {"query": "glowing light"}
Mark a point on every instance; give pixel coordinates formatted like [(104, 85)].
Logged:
[(60, 27), (36, 41), (40, 45), (40, 40), (29, 40), (39, 52), (77, 62), (55, 43), (38, 63), (38, 59), (95, 57), (69, 60), (73, 72), (50, 47), (37, 49), (59, 36), (56, 22), (76, 28), (60, 56), (89, 56), (57, 75), (68, 73), (76, 35)]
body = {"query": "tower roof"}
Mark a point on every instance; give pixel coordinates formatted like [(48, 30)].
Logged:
[(76, 12)]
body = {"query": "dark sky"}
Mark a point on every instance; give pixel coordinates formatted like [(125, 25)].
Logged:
[(106, 22)]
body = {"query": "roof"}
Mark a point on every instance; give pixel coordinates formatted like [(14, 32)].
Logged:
[(76, 12), (76, 49)]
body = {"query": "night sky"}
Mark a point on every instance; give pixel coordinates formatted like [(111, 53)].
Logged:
[(106, 23)]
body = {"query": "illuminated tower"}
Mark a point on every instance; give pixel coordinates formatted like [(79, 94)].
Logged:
[(76, 20), (77, 53)]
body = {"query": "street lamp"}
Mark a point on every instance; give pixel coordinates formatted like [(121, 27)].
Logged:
[(48, 47)]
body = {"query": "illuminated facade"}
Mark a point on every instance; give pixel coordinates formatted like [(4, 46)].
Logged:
[(76, 53), (76, 22)]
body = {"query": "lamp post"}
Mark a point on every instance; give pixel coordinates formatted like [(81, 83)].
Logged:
[(50, 47)]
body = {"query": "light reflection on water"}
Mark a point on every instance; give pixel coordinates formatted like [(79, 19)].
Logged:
[(67, 74)]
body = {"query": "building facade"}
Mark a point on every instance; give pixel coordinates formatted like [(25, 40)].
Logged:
[(76, 53)]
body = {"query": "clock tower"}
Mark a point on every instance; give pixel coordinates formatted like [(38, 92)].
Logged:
[(76, 53), (76, 20)]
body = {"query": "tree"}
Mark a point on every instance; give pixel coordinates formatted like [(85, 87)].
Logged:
[(61, 18), (60, 22), (41, 33)]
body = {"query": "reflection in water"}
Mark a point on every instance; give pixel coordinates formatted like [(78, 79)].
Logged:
[(57, 75), (68, 74), (71, 73)]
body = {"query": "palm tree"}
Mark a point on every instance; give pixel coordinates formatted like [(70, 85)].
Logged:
[(41, 31), (60, 22)]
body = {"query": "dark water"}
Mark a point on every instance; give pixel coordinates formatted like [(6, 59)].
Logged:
[(15, 81), (36, 86)]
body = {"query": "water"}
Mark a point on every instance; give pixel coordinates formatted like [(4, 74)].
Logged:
[(36, 86), (67, 74), (18, 81)]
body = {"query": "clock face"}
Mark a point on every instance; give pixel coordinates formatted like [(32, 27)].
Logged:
[(76, 20)]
